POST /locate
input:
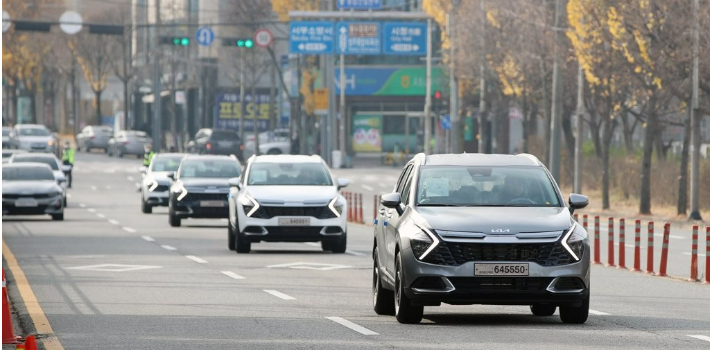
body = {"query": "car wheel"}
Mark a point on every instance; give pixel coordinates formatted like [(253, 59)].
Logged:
[(242, 245), (326, 246), (382, 299), (404, 311), (65, 201), (58, 217), (172, 218), (119, 153), (145, 207), (575, 314), (230, 237), (340, 246), (274, 151), (543, 309)]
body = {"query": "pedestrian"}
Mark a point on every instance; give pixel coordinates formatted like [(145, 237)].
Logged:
[(148, 155), (68, 159)]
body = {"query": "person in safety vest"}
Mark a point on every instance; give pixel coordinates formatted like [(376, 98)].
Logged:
[(68, 159), (148, 155)]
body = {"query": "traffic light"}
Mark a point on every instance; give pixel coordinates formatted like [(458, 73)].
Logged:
[(175, 40), (246, 43), (437, 95)]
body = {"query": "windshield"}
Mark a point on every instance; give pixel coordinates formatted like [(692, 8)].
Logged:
[(289, 174), (26, 173), (44, 160), (166, 163), (195, 168), (33, 132), (485, 187)]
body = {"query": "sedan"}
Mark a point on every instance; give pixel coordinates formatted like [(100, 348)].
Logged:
[(94, 136), (33, 138), (156, 183), (7, 154), (128, 142), (30, 189), (58, 169)]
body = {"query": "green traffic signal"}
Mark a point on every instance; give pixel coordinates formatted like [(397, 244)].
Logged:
[(248, 43), (181, 41), (185, 42)]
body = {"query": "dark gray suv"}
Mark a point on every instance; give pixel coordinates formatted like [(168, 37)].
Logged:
[(479, 229)]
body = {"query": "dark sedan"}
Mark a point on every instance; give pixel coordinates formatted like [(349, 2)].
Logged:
[(30, 189)]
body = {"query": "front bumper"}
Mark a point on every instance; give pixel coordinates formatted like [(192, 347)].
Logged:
[(45, 206), (157, 198), (430, 284), (269, 230), (193, 206)]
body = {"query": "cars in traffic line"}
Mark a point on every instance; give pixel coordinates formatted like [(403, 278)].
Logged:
[(6, 130), (216, 141), (155, 185), (128, 142), (58, 169), (30, 189), (7, 154), (287, 198), (479, 229), (200, 187)]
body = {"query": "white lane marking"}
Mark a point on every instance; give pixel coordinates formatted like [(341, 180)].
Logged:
[(130, 178), (91, 210), (224, 220), (93, 188), (138, 185), (196, 259), (355, 253), (232, 275), (701, 337), (630, 246), (598, 313), (128, 229), (113, 222), (356, 327), (384, 185), (108, 187), (168, 247), (148, 238), (367, 188), (69, 195), (279, 294), (82, 205), (102, 216), (312, 244), (689, 254), (669, 236)]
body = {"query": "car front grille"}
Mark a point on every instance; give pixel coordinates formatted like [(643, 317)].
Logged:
[(294, 230), (500, 284), (265, 212), (34, 195), (161, 188), (453, 254)]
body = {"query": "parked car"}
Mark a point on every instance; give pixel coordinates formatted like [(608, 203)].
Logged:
[(58, 169), (287, 198), (30, 189), (128, 142), (7, 154), (6, 130), (94, 136), (479, 229), (270, 148), (33, 138), (216, 141), (200, 187), (156, 183)]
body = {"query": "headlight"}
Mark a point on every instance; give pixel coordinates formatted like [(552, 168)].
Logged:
[(50, 143), (153, 185), (182, 190), (335, 207), (249, 204), (423, 242), (573, 241)]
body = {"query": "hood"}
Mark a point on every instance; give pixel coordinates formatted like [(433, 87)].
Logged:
[(29, 187), (204, 182), (34, 138), (487, 219), (292, 194), (161, 177)]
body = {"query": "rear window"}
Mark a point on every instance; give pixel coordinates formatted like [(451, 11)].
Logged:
[(33, 132), (166, 163), (222, 168), (26, 173), (224, 136), (44, 160), (5, 132)]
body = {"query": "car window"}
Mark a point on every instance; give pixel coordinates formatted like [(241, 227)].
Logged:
[(29, 173), (33, 132), (402, 178), (44, 160), (407, 187), (289, 174), (200, 168), (485, 186), (166, 164), (224, 136)]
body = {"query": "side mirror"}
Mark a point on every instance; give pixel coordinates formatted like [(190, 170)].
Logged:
[(172, 175), (343, 183), (393, 201), (61, 180), (234, 182), (143, 169), (577, 201)]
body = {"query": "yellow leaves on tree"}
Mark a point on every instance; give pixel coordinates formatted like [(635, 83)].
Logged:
[(282, 7), (21, 62), (510, 77), (438, 9), (306, 90)]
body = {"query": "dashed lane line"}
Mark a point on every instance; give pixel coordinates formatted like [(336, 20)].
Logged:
[(168, 247), (279, 294), (367, 188), (701, 337), (148, 238), (128, 229), (351, 252), (93, 188), (232, 275), (196, 259), (312, 244), (102, 216), (82, 205), (354, 326), (130, 178), (598, 313), (91, 210), (69, 195), (113, 222)]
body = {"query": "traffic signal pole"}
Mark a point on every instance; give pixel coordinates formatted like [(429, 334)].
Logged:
[(427, 98), (157, 113)]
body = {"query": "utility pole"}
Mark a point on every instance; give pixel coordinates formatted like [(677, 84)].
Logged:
[(342, 114), (456, 129), (556, 125), (241, 95), (580, 131), (157, 113), (427, 98), (482, 120), (695, 120)]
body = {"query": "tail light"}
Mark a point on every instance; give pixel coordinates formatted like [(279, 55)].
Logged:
[(125, 142), (208, 146), (241, 147)]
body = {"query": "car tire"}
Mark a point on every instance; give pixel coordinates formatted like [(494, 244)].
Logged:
[(543, 309), (575, 314), (231, 244), (241, 244), (326, 246), (340, 246), (382, 299), (109, 152), (274, 151), (172, 218), (58, 217), (404, 311), (119, 153), (145, 207), (65, 201)]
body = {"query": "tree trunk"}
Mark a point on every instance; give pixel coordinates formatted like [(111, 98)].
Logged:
[(660, 146), (97, 101), (569, 147), (683, 180), (526, 124), (594, 130), (649, 135), (609, 127), (628, 133)]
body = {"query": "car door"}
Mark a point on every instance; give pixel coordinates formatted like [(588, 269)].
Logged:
[(392, 221), (381, 218)]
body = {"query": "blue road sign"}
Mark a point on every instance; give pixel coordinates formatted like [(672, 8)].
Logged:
[(404, 38), (204, 36), (311, 37), (359, 4), (358, 38), (446, 122)]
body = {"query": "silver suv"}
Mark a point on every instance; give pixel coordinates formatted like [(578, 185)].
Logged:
[(479, 229)]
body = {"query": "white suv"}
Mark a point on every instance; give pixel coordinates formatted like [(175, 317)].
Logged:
[(287, 198)]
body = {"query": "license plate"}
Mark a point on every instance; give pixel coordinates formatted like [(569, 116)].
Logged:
[(294, 221), (501, 269), (26, 202), (224, 144), (212, 203)]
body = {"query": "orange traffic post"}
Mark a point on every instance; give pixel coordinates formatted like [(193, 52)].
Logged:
[(360, 215), (707, 255), (584, 222), (649, 257), (597, 244), (694, 255), (622, 243), (374, 208), (637, 247), (610, 233), (349, 197), (664, 249), (8, 332), (576, 217)]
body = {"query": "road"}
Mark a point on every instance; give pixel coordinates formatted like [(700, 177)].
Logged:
[(110, 277)]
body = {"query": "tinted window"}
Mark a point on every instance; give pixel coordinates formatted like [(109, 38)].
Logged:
[(166, 163), (44, 160), (34, 132), (485, 186), (224, 136), (26, 173), (222, 168), (289, 174)]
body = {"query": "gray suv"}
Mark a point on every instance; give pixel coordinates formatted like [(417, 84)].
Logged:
[(479, 229)]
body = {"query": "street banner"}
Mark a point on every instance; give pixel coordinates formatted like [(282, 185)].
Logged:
[(367, 133), (228, 111)]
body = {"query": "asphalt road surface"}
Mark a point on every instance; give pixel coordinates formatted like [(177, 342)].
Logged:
[(109, 277)]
